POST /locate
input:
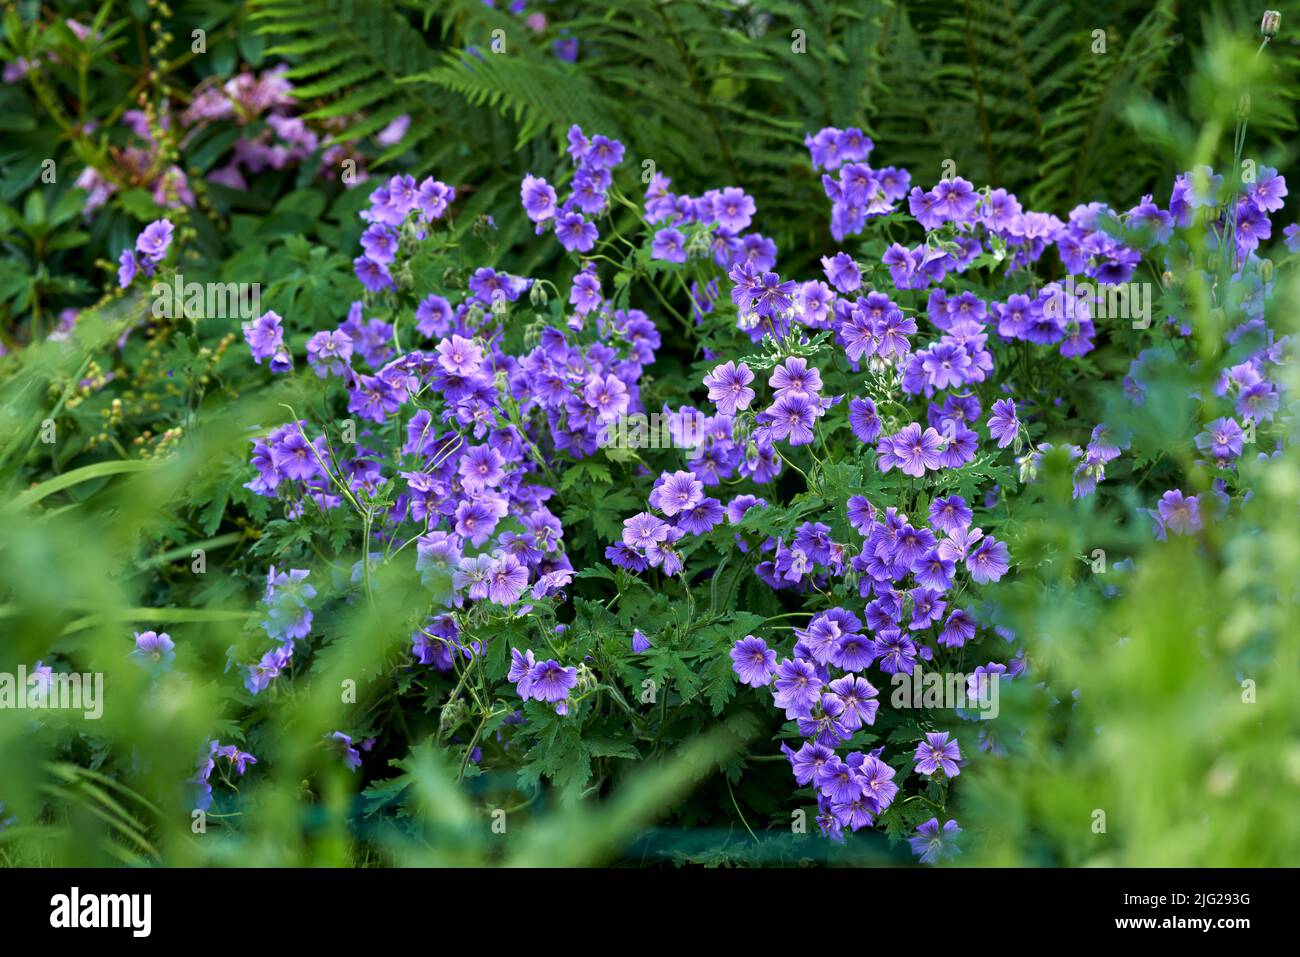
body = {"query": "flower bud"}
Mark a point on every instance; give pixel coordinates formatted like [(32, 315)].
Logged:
[(1271, 23), (537, 295)]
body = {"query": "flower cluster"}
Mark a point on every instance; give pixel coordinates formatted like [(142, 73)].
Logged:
[(595, 160)]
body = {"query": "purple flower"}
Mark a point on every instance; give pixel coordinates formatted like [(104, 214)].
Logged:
[(989, 561), (341, 744), (126, 268), (481, 468), (1180, 514), (734, 209), (459, 356), (949, 514), (433, 317), (154, 649), (857, 699), (753, 662), (937, 753), (380, 243), (521, 671), (260, 675), (239, 760), (917, 451), (154, 241), (729, 387), (575, 233), (669, 245), (932, 844), (797, 687), (792, 416), (863, 419), (476, 520), (584, 296), (508, 580), (1003, 424), (644, 530), (374, 276), (1223, 438), (329, 353), (549, 681), (538, 197), (640, 643), (676, 492), (608, 396), (793, 377), (842, 272), (265, 336)]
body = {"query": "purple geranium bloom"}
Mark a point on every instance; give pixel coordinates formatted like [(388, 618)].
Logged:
[(476, 521), (538, 197), (857, 696), (154, 240), (265, 336), (842, 272), (949, 514), (644, 530), (753, 662), (508, 580), (734, 209), (792, 417), (932, 843), (294, 458), (1180, 514), (521, 670), (917, 451), (989, 561), (729, 387), (374, 276), (433, 316), (807, 761), (838, 781), (701, 518), (1003, 424), (878, 782), (957, 630), (550, 681), (861, 513), (380, 243), (239, 760), (772, 296), (481, 467), (793, 377), (584, 296), (575, 233), (608, 396), (342, 746), (126, 268), (669, 245), (937, 753), (329, 353), (897, 652), (459, 356), (1223, 438), (676, 492), (797, 687), (261, 675), (155, 649), (640, 643), (864, 420)]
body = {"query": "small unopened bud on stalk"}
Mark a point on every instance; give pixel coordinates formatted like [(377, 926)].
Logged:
[(1270, 24)]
